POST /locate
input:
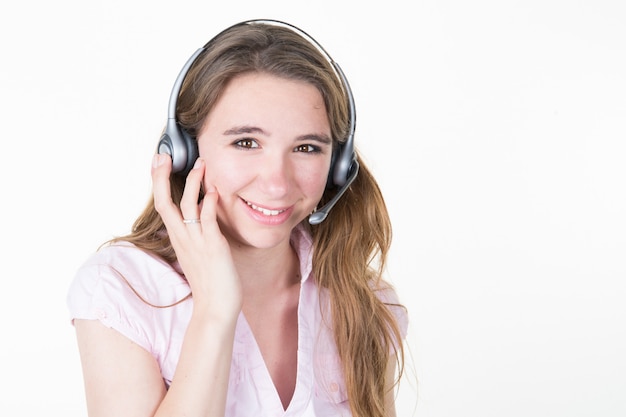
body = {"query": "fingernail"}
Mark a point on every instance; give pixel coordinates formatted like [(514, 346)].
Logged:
[(197, 164)]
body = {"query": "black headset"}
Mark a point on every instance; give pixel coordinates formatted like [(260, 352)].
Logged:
[(183, 148)]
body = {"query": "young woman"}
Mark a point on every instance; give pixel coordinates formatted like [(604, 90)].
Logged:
[(229, 297)]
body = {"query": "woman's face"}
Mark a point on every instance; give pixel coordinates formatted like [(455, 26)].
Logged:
[(267, 146)]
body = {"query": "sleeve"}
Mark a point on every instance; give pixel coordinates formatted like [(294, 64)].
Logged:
[(99, 292)]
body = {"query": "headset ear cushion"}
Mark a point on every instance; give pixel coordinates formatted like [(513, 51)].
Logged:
[(165, 144), (180, 146), (192, 151), (342, 166), (330, 184)]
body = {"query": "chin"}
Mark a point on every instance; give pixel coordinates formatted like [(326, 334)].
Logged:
[(263, 239), (259, 236)]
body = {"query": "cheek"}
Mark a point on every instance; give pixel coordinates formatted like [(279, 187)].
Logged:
[(314, 180), (222, 174)]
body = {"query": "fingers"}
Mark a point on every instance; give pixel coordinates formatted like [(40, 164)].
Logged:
[(194, 219), (189, 201), (201, 249), (161, 169), (190, 207), (168, 210), (209, 210)]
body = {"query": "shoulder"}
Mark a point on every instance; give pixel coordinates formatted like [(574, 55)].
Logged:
[(121, 285), (124, 263), (123, 267)]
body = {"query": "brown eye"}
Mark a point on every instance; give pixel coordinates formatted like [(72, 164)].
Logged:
[(247, 143), (307, 149)]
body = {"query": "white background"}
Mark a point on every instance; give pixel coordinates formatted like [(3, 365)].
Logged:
[(497, 130)]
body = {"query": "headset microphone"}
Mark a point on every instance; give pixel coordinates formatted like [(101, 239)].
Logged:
[(320, 215)]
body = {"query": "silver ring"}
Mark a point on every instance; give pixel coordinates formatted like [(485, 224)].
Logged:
[(188, 221)]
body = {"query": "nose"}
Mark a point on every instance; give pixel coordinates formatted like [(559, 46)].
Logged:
[(276, 175)]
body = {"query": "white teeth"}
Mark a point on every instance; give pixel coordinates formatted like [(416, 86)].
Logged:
[(265, 211)]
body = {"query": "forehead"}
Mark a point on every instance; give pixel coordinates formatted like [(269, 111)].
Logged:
[(270, 102)]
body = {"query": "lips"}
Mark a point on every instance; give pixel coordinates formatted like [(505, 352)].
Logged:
[(266, 212)]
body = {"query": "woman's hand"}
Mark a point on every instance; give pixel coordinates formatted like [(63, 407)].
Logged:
[(200, 382), (201, 248)]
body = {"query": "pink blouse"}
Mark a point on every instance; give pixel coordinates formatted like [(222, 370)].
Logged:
[(116, 284)]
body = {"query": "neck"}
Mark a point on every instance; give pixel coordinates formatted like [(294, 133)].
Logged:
[(264, 272)]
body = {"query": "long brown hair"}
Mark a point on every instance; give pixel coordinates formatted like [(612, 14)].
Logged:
[(350, 246)]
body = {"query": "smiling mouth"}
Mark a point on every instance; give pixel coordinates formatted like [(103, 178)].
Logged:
[(265, 211)]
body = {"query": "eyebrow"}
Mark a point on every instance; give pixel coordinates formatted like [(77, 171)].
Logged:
[(239, 130), (322, 138)]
